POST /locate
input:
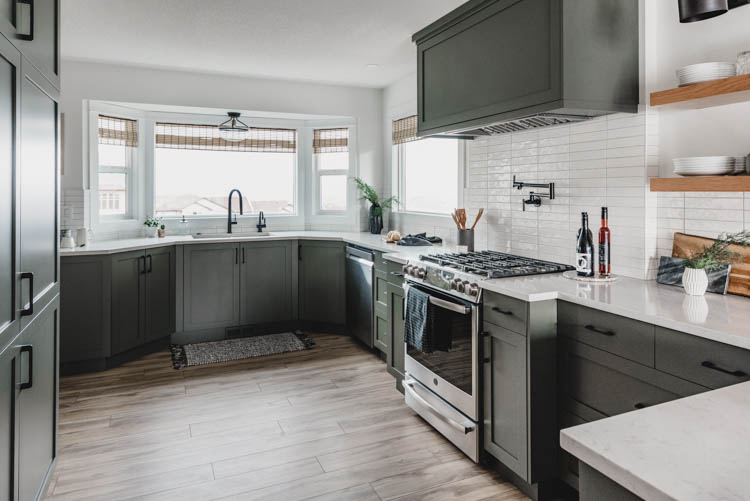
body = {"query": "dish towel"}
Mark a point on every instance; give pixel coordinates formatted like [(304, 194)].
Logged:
[(427, 327), (418, 240)]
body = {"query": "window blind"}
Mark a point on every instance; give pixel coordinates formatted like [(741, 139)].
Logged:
[(208, 137), (330, 140), (405, 130), (118, 131)]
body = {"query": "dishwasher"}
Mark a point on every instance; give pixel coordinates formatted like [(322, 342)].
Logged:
[(360, 271)]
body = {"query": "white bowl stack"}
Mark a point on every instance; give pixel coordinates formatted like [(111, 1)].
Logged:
[(704, 166), (704, 72)]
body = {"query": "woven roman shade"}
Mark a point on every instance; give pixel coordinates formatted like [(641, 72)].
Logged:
[(118, 131), (405, 130), (208, 137), (330, 140)]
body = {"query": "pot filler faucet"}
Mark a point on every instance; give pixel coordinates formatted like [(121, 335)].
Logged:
[(229, 210)]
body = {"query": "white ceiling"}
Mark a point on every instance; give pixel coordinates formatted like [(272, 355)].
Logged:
[(329, 41)]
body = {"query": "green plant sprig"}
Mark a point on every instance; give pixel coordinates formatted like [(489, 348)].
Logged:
[(369, 194), (152, 222), (718, 254)]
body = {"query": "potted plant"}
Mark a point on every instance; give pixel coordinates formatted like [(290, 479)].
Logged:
[(162, 231), (377, 205), (695, 278), (152, 225)]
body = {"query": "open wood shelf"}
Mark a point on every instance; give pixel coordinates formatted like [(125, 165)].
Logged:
[(705, 90), (701, 183)]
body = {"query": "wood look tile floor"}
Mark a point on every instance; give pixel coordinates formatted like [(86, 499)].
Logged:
[(323, 424)]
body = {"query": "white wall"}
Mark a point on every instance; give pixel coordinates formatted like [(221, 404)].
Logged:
[(82, 81)]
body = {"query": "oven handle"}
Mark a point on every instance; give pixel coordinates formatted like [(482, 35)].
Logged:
[(409, 386), (442, 303)]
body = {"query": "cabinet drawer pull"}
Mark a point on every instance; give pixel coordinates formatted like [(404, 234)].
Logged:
[(150, 264), (30, 383), (640, 405), (713, 366), (27, 275), (599, 331), (487, 360), (504, 312), (143, 268), (397, 274)]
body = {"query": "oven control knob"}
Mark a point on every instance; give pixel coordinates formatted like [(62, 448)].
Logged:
[(421, 272), (454, 283), (472, 290), (405, 269), (461, 286)]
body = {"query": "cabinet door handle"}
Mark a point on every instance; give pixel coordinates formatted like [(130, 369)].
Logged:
[(150, 264), (236, 256), (30, 12), (397, 274), (640, 405), (30, 350), (713, 366), (504, 312), (30, 310), (403, 308), (143, 268), (243, 255), (599, 331)]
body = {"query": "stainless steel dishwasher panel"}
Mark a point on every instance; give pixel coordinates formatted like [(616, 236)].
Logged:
[(359, 299)]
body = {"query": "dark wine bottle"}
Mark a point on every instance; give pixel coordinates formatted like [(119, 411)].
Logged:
[(605, 266), (585, 249)]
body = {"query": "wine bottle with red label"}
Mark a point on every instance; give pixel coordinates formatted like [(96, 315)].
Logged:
[(605, 238)]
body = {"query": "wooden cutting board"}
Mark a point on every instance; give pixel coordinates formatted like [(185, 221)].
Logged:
[(687, 246)]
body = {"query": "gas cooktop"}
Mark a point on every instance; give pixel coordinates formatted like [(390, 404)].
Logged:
[(492, 264)]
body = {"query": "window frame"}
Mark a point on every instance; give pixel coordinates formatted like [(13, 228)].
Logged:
[(398, 183), (130, 198), (318, 174)]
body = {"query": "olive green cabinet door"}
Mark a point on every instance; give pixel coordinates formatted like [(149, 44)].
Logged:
[(160, 293), (37, 402), (38, 229), (211, 282), (505, 404), (396, 324), (9, 80), (321, 282), (128, 292), (9, 380), (266, 282), (42, 50)]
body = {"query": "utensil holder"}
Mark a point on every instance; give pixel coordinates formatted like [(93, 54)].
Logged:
[(466, 238)]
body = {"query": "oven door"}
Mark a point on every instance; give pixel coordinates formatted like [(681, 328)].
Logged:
[(452, 374)]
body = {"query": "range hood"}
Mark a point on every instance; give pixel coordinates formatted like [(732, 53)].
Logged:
[(501, 66)]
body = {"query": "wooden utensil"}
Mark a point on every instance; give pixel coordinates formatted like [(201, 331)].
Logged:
[(455, 219), (687, 246), (479, 215), (462, 218)]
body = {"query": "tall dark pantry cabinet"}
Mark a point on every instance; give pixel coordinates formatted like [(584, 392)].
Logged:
[(29, 261)]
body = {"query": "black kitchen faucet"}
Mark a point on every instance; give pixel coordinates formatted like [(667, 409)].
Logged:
[(229, 210)]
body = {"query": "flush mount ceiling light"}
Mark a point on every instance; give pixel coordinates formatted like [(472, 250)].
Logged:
[(233, 129), (372, 66), (698, 10)]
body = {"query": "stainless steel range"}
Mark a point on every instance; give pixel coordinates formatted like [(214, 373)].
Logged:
[(443, 386)]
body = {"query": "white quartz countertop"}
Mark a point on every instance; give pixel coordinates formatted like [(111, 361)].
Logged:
[(399, 253), (723, 318), (694, 448)]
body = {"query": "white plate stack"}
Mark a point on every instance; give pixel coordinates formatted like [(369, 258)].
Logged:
[(740, 166), (703, 166), (704, 72)]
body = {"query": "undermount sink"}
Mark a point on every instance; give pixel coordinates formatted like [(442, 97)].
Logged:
[(252, 234)]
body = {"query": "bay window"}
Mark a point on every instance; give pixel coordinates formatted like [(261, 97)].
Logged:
[(426, 172), (117, 143), (331, 165)]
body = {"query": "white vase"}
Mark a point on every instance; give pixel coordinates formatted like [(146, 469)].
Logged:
[(695, 281)]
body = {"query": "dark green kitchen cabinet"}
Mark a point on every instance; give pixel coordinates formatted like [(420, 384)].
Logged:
[(322, 283), (490, 61), (142, 297), (9, 381), (211, 284), (37, 402), (505, 411), (266, 282), (397, 350), (10, 61), (37, 198), (128, 300), (33, 27)]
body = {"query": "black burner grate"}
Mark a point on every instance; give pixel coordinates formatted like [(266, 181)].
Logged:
[(493, 264)]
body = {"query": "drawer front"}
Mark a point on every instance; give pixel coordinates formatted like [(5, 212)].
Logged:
[(395, 273), (381, 288), (505, 311), (612, 385), (380, 263), (622, 336), (700, 360), (382, 339)]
